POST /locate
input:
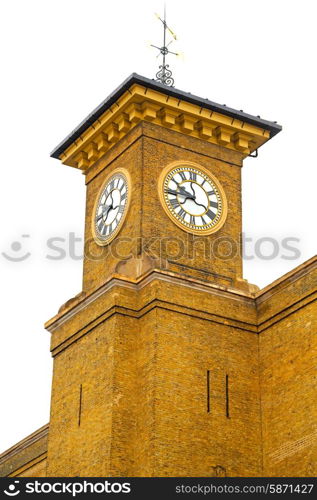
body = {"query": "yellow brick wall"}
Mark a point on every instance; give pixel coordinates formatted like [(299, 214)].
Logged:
[(38, 469), (143, 372), (81, 407), (289, 383), (288, 359), (188, 439)]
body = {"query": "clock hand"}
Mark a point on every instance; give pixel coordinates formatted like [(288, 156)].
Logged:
[(183, 193), (183, 190), (110, 207), (106, 210), (198, 204)]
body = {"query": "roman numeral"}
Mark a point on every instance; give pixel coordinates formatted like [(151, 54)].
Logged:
[(192, 176), (211, 215), (123, 196), (174, 203), (193, 220), (121, 209), (203, 220), (213, 204), (182, 213), (183, 176), (210, 193), (111, 185)]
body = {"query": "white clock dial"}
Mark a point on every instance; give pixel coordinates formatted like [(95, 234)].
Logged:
[(111, 208), (194, 199)]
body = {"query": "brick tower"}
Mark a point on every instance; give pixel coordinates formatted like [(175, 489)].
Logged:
[(168, 363), (155, 363)]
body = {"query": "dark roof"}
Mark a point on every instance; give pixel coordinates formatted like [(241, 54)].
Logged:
[(273, 127)]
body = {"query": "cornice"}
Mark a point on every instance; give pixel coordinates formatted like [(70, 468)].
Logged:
[(82, 301), (25, 443), (140, 103), (61, 344), (284, 281)]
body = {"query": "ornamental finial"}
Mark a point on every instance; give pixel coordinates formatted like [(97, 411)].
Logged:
[(164, 74)]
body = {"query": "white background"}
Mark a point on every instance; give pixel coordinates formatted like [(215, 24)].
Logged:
[(59, 60)]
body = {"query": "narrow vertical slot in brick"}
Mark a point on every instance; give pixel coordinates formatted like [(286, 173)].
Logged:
[(80, 403), (208, 391), (227, 397)]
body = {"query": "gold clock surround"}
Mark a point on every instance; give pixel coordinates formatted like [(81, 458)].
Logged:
[(205, 173), (127, 178)]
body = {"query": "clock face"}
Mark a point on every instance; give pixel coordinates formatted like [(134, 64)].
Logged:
[(193, 198), (111, 208)]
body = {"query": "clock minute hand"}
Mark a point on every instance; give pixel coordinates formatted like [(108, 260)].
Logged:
[(200, 204), (182, 193)]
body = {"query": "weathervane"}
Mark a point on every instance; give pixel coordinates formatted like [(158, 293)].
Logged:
[(164, 75)]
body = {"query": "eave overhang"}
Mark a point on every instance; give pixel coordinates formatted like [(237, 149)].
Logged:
[(139, 98)]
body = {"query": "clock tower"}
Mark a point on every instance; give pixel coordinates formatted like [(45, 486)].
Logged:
[(167, 362), (156, 359)]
